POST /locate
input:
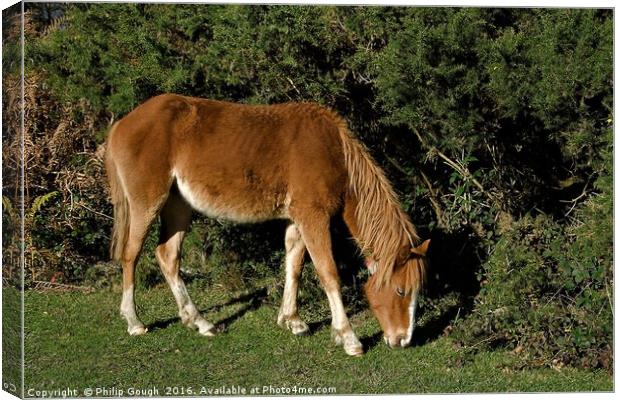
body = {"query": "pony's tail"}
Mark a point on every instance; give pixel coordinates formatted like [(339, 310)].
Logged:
[(120, 230)]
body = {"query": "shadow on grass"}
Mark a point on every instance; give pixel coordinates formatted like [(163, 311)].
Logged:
[(434, 328), (315, 326), (371, 341), (254, 299)]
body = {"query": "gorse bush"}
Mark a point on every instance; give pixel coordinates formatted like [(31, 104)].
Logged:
[(547, 288), (493, 125)]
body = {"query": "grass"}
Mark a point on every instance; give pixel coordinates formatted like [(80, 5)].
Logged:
[(11, 339), (76, 341)]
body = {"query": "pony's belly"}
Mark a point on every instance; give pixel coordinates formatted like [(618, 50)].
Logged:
[(244, 204)]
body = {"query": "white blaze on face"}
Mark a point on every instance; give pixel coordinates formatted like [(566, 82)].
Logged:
[(412, 308)]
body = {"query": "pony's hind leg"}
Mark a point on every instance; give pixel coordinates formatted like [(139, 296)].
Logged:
[(138, 228), (315, 233), (288, 317), (175, 220)]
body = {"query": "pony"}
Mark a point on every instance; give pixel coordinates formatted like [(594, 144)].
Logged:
[(249, 163)]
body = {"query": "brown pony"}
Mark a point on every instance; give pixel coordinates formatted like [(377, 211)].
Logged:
[(247, 163)]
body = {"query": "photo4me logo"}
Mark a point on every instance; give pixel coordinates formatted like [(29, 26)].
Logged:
[(296, 390)]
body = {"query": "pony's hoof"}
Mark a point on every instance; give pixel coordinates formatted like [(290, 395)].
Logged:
[(348, 341), (300, 328), (137, 330), (293, 324), (209, 333), (355, 351), (352, 346), (205, 328)]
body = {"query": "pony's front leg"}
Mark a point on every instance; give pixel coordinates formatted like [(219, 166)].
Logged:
[(315, 233), (288, 316)]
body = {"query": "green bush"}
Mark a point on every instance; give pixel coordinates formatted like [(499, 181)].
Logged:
[(547, 288)]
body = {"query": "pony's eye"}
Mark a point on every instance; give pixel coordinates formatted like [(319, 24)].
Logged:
[(400, 292)]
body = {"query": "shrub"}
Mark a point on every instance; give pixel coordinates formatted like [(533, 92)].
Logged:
[(547, 288)]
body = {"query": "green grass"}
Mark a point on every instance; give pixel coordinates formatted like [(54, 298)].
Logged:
[(11, 340), (77, 340)]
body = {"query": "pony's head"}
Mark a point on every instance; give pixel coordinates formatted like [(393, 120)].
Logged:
[(393, 303)]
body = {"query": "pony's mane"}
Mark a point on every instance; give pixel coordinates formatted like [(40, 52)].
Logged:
[(383, 227), (415, 276)]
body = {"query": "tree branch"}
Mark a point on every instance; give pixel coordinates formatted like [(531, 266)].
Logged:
[(454, 165), (432, 192), (433, 198)]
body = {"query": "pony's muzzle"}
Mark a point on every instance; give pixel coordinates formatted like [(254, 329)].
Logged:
[(396, 341)]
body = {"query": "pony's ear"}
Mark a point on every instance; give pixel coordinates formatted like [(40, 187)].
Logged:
[(422, 249), (371, 265)]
